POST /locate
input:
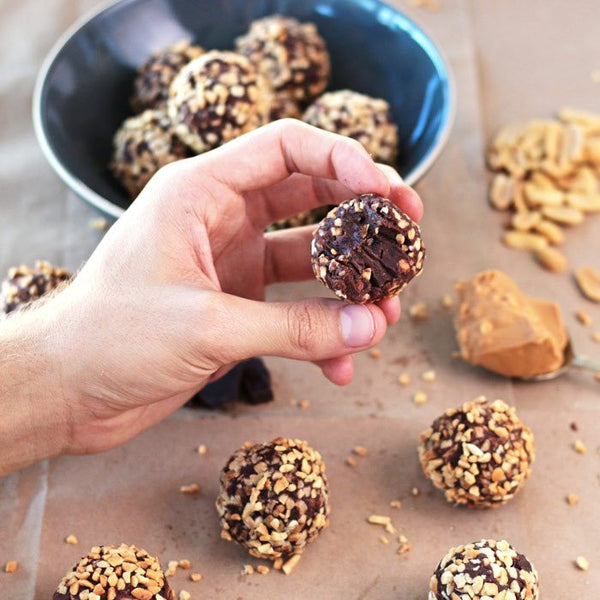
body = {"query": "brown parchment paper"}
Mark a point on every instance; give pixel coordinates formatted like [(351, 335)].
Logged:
[(511, 60)]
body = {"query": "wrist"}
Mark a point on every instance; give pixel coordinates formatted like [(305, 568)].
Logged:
[(33, 400)]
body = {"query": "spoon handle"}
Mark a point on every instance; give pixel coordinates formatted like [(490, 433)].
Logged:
[(584, 362)]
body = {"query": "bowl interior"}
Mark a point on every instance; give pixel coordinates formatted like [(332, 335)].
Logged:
[(83, 93)]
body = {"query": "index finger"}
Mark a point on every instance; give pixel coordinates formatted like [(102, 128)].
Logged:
[(272, 153)]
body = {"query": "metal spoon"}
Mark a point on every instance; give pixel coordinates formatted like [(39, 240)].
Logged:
[(572, 360)]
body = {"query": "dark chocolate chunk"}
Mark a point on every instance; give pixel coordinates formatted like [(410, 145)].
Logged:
[(249, 381), (366, 249)]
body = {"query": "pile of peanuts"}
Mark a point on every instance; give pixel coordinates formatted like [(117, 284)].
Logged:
[(548, 176)]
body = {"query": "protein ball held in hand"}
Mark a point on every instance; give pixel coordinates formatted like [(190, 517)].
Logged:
[(142, 145), (216, 98), (154, 77), (24, 284), (366, 249), (115, 573), (274, 499), (360, 117), (291, 55), (482, 571), (479, 454)]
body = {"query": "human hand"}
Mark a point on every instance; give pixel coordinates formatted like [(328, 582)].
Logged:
[(173, 295)]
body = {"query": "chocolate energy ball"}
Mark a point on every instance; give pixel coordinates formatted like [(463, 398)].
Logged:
[(274, 499), (360, 117), (484, 570), (216, 98), (366, 249), (142, 145), (291, 55), (479, 454), (154, 77), (24, 284), (115, 573)]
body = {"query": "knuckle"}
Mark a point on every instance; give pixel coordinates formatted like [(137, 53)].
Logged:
[(300, 326)]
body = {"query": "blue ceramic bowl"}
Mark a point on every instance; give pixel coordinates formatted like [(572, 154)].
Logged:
[(82, 91)]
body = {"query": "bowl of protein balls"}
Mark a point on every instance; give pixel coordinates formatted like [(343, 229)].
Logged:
[(140, 84)]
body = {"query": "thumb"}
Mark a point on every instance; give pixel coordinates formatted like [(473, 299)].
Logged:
[(312, 329)]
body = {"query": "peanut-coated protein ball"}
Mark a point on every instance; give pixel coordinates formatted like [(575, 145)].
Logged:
[(479, 454), (291, 55), (274, 499), (366, 249), (482, 571), (155, 75), (141, 146), (115, 573), (216, 98), (360, 117), (24, 284)]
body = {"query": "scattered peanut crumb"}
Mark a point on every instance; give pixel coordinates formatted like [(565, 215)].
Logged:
[(420, 398), (263, 569), (428, 376), (447, 301), (404, 546), (572, 499), (192, 488), (360, 450), (11, 566), (290, 564), (351, 461), (184, 595), (383, 520), (582, 563), (71, 539), (396, 503), (248, 570), (99, 224), (303, 404), (597, 376), (415, 491), (184, 563), (584, 318), (171, 568), (379, 520), (384, 540), (404, 379), (596, 336), (579, 447), (195, 576), (375, 353), (201, 449), (390, 528), (418, 311)]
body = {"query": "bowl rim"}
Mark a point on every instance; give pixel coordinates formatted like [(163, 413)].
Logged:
[(108, 208)]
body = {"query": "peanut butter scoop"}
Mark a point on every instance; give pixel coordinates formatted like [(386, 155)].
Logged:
[(500, 328)]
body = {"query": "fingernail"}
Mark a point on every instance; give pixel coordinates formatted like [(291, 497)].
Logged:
[(358, 327)]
